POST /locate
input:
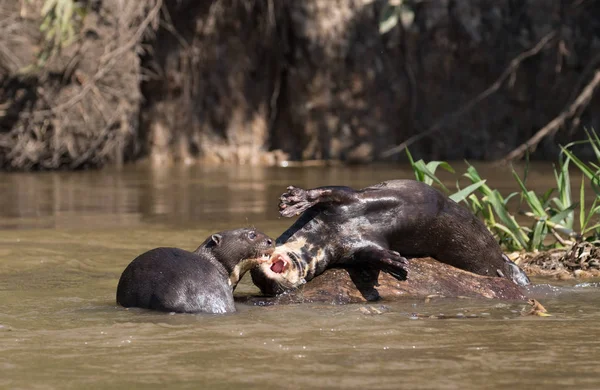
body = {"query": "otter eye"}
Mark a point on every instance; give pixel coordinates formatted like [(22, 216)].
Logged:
[(252, 235)]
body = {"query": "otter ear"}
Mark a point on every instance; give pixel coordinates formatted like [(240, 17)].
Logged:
[(216, 239)]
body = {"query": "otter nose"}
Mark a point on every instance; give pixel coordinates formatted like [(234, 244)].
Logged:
[(269, 242)]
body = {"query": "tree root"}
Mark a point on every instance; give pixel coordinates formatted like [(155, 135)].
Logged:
[(574, 110), (453, 117)]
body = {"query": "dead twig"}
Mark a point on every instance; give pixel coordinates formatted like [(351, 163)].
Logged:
[(108, 60), (451, 118), (577, 106)]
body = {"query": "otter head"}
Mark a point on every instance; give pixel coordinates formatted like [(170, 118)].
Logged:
[(238, 250), (284, 271), (513, 272)]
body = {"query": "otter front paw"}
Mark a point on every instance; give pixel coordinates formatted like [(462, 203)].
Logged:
[(294, 202), (394, 264)]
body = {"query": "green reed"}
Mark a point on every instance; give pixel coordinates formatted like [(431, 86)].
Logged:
[(550, 216)]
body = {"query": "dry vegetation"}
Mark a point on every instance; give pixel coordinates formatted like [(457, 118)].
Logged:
[(81, 106)]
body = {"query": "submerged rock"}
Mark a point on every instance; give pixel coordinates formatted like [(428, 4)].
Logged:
[(426, 277)]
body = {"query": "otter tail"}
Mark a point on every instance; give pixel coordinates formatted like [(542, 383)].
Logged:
[(513, 272)]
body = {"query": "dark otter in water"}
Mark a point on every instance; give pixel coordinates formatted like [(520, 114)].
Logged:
[(175, 280), (372, 229)]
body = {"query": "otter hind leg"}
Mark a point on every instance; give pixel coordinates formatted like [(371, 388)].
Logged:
[(513, 272), (297, 200)]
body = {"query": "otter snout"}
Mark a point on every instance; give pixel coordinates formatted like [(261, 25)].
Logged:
[(266, 245)]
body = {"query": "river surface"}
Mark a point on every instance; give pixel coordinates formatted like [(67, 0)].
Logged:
[(66, 237)]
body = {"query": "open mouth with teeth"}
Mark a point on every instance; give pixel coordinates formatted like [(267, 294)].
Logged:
[(282, 272), (280, 262)]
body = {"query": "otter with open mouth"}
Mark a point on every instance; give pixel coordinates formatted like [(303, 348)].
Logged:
[(175, 280), (372, 229)]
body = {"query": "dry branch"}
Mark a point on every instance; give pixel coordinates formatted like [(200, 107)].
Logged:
[(107, 62), (70, 115), (453, 117), (577, 106)]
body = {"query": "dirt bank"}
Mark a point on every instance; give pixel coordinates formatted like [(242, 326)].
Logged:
[(260, 81)]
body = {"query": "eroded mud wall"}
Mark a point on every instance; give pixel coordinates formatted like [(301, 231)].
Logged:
[(318, 80), (258, 81)]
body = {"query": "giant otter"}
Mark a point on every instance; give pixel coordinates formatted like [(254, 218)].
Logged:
[(372, 229), (175, 280)]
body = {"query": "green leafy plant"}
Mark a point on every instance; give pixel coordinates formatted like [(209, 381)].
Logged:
[(550, 217), (395, 12), (493, 207), (425, 172), (60, 21), (591, 170)]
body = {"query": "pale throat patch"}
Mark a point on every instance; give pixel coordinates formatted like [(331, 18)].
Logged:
[(244, 266), (300, 248)]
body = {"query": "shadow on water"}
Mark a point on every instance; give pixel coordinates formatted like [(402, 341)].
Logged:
[(66, 237)]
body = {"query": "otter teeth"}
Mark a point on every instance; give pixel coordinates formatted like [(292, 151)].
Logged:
[(278, 264)]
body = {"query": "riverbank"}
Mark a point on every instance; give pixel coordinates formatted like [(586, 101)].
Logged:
[(89, 84), (580, 261)]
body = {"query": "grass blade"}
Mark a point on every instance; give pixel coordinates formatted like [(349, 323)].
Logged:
[(539, 232), (582, 205), (466, 192)]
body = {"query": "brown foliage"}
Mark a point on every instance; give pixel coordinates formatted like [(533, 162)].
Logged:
[(81, 108)]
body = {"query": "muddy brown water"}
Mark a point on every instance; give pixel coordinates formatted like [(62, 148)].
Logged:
[(66, 237)]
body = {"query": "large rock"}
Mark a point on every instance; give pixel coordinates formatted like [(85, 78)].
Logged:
[(426, 277)]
